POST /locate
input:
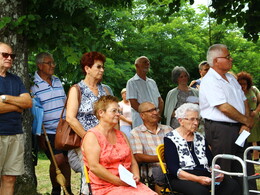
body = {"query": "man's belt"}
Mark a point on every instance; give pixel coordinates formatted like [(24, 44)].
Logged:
[(223, 123)]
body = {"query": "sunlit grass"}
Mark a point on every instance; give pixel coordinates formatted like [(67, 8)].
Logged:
[(44, 184)]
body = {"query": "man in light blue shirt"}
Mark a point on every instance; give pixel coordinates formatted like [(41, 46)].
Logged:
[(49, 90), (141, 89)]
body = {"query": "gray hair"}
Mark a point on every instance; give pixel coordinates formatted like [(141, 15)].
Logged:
[(203, 63), (141, 57), (184, 108), (214, 51), (176, 72), (40, 56)]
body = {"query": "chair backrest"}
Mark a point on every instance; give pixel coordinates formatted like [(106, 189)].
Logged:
[(160, 154), (86, 175)]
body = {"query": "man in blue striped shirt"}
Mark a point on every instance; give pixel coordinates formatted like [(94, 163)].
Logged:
[(49, 90)]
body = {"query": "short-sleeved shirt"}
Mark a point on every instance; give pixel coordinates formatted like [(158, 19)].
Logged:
[(11, 122), (52, 99), (144, 141), (142, 91), (214, 91)]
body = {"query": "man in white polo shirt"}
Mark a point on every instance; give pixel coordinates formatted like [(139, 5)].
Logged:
[(49, 90), (141, 89), (224, 107)]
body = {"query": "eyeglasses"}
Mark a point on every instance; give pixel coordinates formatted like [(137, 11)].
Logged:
[(192, 119), (6, 55), (228, 57), (151, 110), (115, 111), (49, 63), (100, 66)]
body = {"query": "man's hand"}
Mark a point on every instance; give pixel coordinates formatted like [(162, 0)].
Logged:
[(244, 127), (250, 122)]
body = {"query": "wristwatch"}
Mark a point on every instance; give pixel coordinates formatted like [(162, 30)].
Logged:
[(3, 97)]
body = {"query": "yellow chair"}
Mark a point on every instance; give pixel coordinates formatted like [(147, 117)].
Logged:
[(160, 153), (87, 180)]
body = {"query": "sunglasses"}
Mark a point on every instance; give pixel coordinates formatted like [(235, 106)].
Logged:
[(6, 55)]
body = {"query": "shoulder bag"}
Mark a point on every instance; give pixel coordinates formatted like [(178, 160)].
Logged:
[(66, 138)]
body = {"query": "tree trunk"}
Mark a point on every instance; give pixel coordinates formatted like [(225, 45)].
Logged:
[(26, 183)]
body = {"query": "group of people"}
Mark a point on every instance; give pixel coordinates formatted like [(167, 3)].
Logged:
[(94, 114)]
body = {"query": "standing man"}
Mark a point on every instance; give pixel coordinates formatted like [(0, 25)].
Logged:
[(145, 138), (203, 69), (49, 90), (141, 89), (224, 107), (14, 98)]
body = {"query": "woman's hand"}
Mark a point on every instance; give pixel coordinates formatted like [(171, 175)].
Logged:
[(206, 181), (219, 177), (136, 178)]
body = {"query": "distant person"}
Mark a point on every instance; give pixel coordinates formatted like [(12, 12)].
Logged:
[(80, 114), (203, 69), (253, 97), (145, 139), (105, 148), (225, 109), (14, 98), (178, 96), (125, 117), (48, 88), (141, 89)]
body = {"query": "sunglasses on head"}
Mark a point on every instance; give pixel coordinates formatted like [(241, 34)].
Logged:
[(6, 55)]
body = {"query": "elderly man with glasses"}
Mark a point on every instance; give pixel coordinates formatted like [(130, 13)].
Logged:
[(48, 88), (225, 109), (14, 98), (145, 138)]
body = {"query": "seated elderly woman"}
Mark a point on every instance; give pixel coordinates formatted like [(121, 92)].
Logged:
[(188, 157), (104, 148)]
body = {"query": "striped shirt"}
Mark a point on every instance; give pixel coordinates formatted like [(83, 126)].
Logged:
[(52, 99)]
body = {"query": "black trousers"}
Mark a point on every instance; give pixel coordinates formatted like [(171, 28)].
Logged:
[(227, 187), (221, 137)]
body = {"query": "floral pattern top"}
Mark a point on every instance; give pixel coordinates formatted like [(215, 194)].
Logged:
[(85, 113), (186, 160)]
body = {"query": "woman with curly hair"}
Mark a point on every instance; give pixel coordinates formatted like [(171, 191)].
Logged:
[(253, 97)]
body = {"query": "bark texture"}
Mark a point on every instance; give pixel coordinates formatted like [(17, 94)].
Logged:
[(25, 184)]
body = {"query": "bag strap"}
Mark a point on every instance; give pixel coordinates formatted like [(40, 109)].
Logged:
[(79, 98)]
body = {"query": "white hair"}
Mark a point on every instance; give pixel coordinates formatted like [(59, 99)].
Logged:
[(214, 51), (184, 108)]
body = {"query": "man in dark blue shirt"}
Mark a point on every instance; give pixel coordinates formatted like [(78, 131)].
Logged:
[(13, 100)]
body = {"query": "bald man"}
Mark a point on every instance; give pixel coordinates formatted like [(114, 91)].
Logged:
[(141, 89), (145, 138), (14, 98)]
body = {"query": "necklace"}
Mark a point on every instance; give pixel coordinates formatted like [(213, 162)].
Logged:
[(190, 145)]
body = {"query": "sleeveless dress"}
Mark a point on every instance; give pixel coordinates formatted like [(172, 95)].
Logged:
[(110, 157)]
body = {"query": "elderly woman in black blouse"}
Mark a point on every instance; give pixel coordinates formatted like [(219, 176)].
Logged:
[(188, 157)]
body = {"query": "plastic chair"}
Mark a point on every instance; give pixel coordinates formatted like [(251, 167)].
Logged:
[(87, 180), (167, 188)]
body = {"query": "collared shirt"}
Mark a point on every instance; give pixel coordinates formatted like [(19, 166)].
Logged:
[(52, 99), (142, 91), (214, 91), (144, 141)]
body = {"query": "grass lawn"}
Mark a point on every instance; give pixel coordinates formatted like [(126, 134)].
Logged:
[(44, 184)]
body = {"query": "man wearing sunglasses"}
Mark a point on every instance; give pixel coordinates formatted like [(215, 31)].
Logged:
[(225, 110), (145, 138), (14, 98)]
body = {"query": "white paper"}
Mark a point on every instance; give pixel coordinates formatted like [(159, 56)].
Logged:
[(242, 138), (126, 176)]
